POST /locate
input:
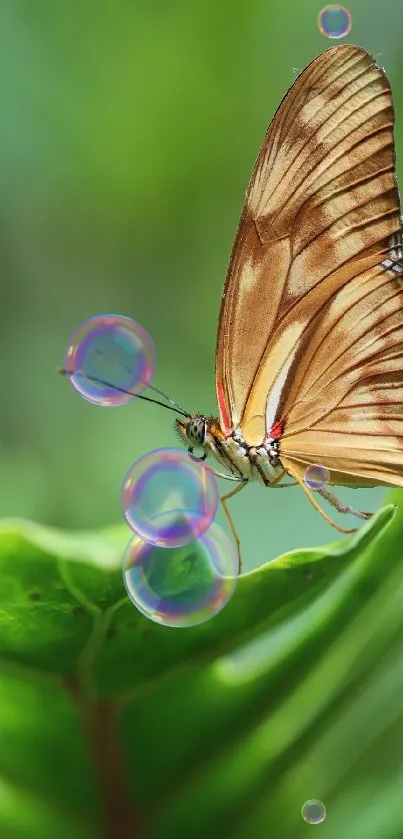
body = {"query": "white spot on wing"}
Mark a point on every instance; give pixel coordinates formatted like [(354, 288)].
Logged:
[(247, 278)]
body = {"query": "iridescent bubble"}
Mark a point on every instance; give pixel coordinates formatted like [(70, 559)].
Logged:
[(107, 356), (168, 498), (313, 811), (181, 586), (316, 476), (335, 21)]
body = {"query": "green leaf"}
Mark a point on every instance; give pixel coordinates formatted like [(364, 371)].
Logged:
[(113, 726)]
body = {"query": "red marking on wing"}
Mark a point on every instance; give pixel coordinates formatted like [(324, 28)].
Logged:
[(224, 419), (276, 430)]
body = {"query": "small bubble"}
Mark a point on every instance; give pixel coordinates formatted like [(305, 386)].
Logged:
[(313, 811), (316, 476), (181, 587), (108, 355), (335, 21), (168, 498)]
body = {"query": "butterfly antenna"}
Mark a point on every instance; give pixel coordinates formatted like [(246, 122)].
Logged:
[(100, 381), (150, 387)]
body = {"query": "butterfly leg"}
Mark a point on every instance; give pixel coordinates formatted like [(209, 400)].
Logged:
[(340, 507), (311, 495), (224, 499)]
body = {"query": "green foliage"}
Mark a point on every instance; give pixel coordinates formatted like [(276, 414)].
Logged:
[(112, 726)]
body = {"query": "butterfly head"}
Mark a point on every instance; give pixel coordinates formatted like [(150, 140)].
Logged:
[(193, 432), (199, 431)]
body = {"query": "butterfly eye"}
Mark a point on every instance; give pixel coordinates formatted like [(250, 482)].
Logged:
[(196, 431)]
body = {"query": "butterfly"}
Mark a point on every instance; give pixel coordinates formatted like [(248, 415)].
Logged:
[(309, 355)]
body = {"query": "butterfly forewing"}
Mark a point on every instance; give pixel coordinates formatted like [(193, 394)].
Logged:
[(311, 322)]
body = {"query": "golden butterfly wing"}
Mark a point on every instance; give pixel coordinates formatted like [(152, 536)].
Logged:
[(346, 410), (321, 207)]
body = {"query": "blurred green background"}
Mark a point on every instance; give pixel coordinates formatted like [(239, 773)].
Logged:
[(128, 134)]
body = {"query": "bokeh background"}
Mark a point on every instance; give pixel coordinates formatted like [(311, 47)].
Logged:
[(128, 134)]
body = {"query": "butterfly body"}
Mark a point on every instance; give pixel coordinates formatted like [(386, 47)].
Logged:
[(244, 462)]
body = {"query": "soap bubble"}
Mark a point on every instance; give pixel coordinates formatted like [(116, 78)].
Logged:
[(316, 476), (181, 587), (313, 811), (107, 356), (335, 21), (169, 498)]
